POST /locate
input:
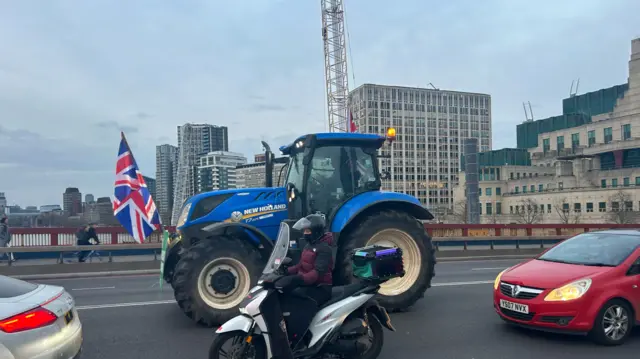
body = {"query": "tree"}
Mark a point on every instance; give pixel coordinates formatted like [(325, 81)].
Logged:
[(460, 212), (621, 204), (563, 209), (528, 212)]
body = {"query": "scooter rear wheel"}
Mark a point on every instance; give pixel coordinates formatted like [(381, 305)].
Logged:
[(238, 340)]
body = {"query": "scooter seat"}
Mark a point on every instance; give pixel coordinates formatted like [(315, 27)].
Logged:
[(341, 292)]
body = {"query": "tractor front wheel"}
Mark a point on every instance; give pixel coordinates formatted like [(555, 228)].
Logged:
[(393, 229), (213, 277)]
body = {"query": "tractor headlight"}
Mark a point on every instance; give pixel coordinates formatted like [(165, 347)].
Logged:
[(183, 216), (570, 291)]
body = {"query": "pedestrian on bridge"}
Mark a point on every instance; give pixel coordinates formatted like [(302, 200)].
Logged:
[(5, 236)]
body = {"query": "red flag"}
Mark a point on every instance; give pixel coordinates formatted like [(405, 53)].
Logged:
[(352, 125)]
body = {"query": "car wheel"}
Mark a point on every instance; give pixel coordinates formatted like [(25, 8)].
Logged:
[(613, 324)]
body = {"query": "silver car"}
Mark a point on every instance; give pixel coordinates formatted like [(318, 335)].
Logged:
[(37, 321)]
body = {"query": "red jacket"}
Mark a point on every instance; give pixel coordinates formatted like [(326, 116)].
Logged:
[(316, 262)]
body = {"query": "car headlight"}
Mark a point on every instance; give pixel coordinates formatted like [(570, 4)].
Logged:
[(183, 216), (496, 283), (570, 291)]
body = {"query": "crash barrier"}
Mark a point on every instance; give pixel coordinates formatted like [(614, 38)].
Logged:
[(108, 251), (28, 237)]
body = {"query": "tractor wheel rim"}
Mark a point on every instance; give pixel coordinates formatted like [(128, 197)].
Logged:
[(229, 297), (411, 257)]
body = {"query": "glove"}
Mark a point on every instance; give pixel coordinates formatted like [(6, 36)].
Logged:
[(289, 282)]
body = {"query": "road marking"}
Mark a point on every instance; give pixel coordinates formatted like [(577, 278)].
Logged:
[(495, 268), (124, 305), (460, 284), (96, 288)]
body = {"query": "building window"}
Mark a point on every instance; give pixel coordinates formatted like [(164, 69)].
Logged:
[(540, 188), (479, 192), (498, 208), (560, 142), (542, 208), (565, 207), (589, 207), (480, 208), (488, 191), (603, 183), (637, 181), (608, 135), (591, 138), (546, 146), (489, 208), (524, 189), (625, 182), (575, 140), (511, 209), (577, 207), (560, 185), (615, 206), (517, 189), (628, 206), (548, 208), (626, 132), (602, 206), (614, 183), (533, 188), (499, 191)]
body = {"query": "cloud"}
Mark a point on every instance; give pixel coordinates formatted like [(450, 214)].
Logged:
[(81, 72)]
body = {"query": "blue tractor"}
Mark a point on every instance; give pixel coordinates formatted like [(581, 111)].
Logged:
[(225, 237)]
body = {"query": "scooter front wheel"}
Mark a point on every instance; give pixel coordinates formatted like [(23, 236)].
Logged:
[(234, 345)]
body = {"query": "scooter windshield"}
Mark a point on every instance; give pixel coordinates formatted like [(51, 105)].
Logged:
[(280, 250)]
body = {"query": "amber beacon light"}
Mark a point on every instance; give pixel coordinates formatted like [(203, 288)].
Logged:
[(391, 133)]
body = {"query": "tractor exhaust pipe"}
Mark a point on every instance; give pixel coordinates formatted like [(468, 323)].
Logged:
[(268, 162)]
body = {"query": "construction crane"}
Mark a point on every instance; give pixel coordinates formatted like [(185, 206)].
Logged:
[(335, 65)]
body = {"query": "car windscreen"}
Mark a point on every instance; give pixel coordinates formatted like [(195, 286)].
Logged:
[(10, 287), (596, 249)]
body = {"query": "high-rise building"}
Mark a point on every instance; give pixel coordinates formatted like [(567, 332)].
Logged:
[(89, 198), (3, 203), (151, 186), (72, 201), (253, 175), (431, 125), (194, 141), (217, 170), (166, 167)]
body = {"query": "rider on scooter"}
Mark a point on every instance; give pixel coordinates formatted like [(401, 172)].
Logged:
[(308, 283)]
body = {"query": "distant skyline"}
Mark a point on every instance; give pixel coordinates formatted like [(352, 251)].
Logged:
[(80, 72)]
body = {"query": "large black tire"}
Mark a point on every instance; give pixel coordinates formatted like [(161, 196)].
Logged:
[(196, 259), (367, 229), (598, 334)]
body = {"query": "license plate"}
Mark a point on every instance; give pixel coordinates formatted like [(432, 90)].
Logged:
[(520, 308), (68, 317)]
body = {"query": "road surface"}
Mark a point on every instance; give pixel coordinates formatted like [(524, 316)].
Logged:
[(131, 318)]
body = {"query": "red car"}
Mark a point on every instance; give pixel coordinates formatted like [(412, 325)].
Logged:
[(588, 284)]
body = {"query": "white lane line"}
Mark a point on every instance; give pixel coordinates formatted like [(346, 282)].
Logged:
[(171, 301), (124, 305), (95, 288), (495, 268)]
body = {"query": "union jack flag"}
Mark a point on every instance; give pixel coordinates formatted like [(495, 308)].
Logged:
[(133, 206)]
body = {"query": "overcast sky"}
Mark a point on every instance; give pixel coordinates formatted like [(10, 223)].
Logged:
[(74, 73)]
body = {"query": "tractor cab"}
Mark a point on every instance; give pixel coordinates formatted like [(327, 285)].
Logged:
[(327, 169)]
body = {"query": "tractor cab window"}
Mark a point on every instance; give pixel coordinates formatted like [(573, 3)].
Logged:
[(337, 173)]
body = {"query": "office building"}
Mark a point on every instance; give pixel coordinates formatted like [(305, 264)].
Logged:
[(194, 141), (431, 125), (579, 167), (253, 175), (72, 202), (151, 186), (166, 167), (3, 203), (217, 170)]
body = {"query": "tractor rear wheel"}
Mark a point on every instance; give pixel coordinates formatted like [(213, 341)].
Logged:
[(393, 229), (213, 277)]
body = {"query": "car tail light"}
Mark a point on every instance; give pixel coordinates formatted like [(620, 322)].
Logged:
[(33, 319)]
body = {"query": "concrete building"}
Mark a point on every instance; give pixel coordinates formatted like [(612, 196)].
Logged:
[(166, 167), (217, 170), (72, 202), (580, 167), (430, 127), (252, 175), (151, 186), (3, 203), (194, 141), (89, 198)]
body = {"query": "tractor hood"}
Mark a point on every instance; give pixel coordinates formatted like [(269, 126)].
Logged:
[(234, 205)]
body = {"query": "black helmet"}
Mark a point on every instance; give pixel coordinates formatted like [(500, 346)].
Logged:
[(311, 226)]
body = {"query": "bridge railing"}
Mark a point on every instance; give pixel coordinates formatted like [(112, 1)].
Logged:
[(30, 237)]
